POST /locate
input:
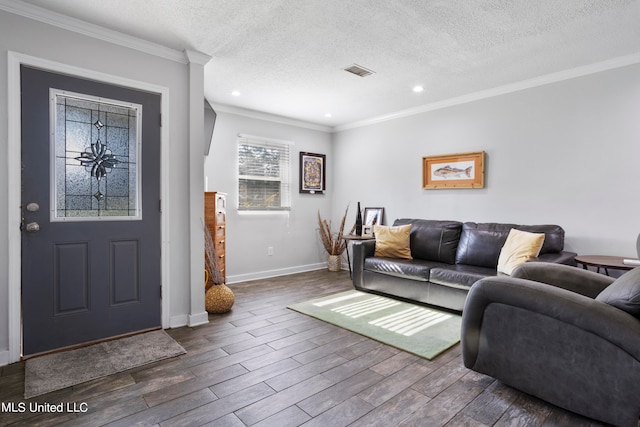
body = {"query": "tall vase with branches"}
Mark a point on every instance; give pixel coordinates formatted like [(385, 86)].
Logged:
[(211, 265), (333, 243)]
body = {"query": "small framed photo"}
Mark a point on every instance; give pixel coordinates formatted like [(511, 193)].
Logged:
[(367, 230), (463, 170), (312, 173), (372, 216)]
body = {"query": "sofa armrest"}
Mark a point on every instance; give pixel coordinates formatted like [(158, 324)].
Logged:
[(568, 349), (574, 279), (564, 257), (361, 249), (567, 308)]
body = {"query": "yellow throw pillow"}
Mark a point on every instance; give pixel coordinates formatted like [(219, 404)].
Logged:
[(393, 242), (519, 247)]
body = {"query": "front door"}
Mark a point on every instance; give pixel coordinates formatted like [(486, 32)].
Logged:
[(91, 211)]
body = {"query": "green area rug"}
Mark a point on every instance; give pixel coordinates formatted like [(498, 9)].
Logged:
[(56, 371), (420, 330)]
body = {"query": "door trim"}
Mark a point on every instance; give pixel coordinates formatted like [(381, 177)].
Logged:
[(14, 160)]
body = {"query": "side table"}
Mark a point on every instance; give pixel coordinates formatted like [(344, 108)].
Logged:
[(350, 238), (604, 261)]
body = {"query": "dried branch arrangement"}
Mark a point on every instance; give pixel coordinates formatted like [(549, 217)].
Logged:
[(334, 244), (211, 260)]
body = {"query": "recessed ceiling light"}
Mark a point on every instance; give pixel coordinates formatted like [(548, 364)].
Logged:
[(418, 89), (235, 93), (327, 115)]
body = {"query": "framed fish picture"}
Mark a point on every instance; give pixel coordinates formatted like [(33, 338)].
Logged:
[(312, 173), (462, 170)]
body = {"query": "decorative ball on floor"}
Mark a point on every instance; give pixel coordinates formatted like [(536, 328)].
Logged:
[(219, 299)]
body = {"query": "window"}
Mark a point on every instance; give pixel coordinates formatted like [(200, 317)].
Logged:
[(95, 145), (263, 174)]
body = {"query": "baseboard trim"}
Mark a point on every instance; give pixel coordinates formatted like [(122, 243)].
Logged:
[(178, 321), (198, 319), (4, 357), (189, 320), (275, 273)]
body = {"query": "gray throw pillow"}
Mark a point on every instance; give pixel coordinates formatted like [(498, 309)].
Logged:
[(624, 293)]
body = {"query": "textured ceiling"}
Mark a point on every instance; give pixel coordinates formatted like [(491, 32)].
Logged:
[(286, 57)]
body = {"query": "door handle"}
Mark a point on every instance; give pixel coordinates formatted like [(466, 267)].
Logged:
[(32, 227)]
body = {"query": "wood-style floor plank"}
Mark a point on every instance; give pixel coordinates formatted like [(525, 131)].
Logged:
[(265, 365)]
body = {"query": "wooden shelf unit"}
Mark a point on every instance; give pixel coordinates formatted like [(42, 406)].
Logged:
[(215, 217)]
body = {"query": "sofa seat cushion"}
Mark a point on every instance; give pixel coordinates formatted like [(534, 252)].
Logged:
[(415, 269), (460, 275)]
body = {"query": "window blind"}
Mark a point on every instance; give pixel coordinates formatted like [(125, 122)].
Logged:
[(264, 167)]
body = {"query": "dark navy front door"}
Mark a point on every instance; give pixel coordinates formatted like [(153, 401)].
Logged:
[(90, 206)]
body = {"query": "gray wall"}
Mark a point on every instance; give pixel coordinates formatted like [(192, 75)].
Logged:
[(47, 42), (293, 235), (565, 153)]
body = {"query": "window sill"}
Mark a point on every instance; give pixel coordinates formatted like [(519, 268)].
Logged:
[(263, 213)]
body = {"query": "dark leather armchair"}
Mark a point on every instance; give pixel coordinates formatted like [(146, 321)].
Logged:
[(565, 335)]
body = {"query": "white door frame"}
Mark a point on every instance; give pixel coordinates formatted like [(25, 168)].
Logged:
[(14, 175)]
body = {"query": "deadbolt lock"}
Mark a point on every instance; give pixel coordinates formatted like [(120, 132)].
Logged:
[(33, 207)]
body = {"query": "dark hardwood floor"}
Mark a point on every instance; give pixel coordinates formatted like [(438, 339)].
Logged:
[(265, 365)]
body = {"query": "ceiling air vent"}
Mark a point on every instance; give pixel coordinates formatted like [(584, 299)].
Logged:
[(358, 70)]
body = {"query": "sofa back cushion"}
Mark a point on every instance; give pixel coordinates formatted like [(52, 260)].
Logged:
[(433, 240), (553, 236), (624, 293), (481, 243)]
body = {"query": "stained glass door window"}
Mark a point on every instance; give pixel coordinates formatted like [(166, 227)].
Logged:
[(95, 154)]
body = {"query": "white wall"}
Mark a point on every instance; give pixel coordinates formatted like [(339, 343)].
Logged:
[(37, 39), (565, 153), (292, 235)]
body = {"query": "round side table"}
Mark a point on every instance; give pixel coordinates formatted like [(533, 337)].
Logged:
[(605, 262)]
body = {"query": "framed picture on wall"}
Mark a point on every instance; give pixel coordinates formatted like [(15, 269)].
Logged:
[(462, 170), (312, 173)]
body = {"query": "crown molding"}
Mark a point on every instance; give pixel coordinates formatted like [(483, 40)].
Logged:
[(270, 117), (572, 73), (195, 57), (72, 24), (91, 30)]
